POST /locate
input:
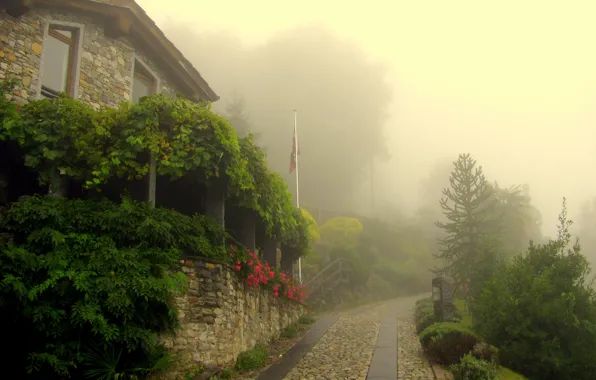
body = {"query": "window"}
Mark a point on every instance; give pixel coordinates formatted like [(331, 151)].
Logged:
[(59, 65), (144, 83)]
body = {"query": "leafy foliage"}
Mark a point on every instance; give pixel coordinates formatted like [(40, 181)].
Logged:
[(541, 311), (89, 284), (388, 257), (471, 368), (424, 314), (313, 229), (66, 137), (341, 231), (57, 136), (448, 342), (252, 359), (8, 110), (485, 351)]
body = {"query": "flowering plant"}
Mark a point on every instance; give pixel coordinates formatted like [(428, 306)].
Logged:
[(259, 273)]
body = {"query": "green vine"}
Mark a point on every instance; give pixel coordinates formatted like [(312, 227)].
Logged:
[(66, 136)]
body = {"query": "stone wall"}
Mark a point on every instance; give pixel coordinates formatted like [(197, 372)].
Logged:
[(106, 64), (220, 317)]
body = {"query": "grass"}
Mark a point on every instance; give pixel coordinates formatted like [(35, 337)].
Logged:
[(507, 374), (462, 307)]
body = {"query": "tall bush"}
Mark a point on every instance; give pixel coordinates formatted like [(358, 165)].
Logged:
[(448, 342), (89, 285), (541, 311)]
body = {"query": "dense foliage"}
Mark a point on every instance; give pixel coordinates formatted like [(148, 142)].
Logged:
[(67, 137), (538, 307), (448, 342), (471, 368), (540, 310), (89, 285), (388, 258)]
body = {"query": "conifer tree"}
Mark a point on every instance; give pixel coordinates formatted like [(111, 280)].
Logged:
[(468, 207)]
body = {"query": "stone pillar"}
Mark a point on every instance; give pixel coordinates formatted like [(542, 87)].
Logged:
[(3, 188), (152, 180), (57, 186), (288, 258), (270, 251), (247, 228), (215, 203), (442, 298)]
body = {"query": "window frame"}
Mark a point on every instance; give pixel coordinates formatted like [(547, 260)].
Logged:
[(76, 48), (150, 75)]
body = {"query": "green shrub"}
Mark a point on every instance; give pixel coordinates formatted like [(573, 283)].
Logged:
[(448, 342), (485, 351), (252, 359), (471, 368), (307, 319), (289, 332), (227, 373), (541, 313), (425, 321), (423, 307), (424, 314), (89, 285)]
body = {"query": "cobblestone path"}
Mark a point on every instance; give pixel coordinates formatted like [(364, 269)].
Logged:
[(346, 349), (411, 363)]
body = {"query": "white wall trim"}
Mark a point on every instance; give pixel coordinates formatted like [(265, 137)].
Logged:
[(78, 53), (136, 60)]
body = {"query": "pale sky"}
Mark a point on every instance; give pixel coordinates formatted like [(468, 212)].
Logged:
[(513, 83)]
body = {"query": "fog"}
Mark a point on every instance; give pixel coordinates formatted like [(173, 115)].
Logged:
[(411, 83)]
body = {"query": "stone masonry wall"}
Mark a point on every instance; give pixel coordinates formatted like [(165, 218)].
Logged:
[(105, 65), (221, 318)]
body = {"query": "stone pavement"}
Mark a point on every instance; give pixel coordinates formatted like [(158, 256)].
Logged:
[(374, 342), (411, 361)]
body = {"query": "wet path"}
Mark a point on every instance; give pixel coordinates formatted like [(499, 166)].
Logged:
[(370, 342)]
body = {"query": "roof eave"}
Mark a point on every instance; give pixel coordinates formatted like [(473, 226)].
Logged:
[(128, 18)]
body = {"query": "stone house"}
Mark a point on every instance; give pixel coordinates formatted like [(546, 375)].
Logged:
[(101, 52)]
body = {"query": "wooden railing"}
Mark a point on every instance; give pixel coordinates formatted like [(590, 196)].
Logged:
[(328, 278)]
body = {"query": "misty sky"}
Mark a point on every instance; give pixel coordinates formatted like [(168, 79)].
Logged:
[(513, 83)]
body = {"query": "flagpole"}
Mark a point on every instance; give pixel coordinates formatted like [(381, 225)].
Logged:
[(297, 183)]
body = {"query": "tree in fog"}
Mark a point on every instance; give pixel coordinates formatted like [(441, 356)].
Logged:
[(341, 98), (518, 220), (468, 205), (587, 230), (236, 114)]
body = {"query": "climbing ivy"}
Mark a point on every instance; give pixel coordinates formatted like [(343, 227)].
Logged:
[(58, 136), (184, 138), (271, 199)]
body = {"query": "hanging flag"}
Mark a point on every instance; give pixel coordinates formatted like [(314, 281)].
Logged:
[(293, 156)]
